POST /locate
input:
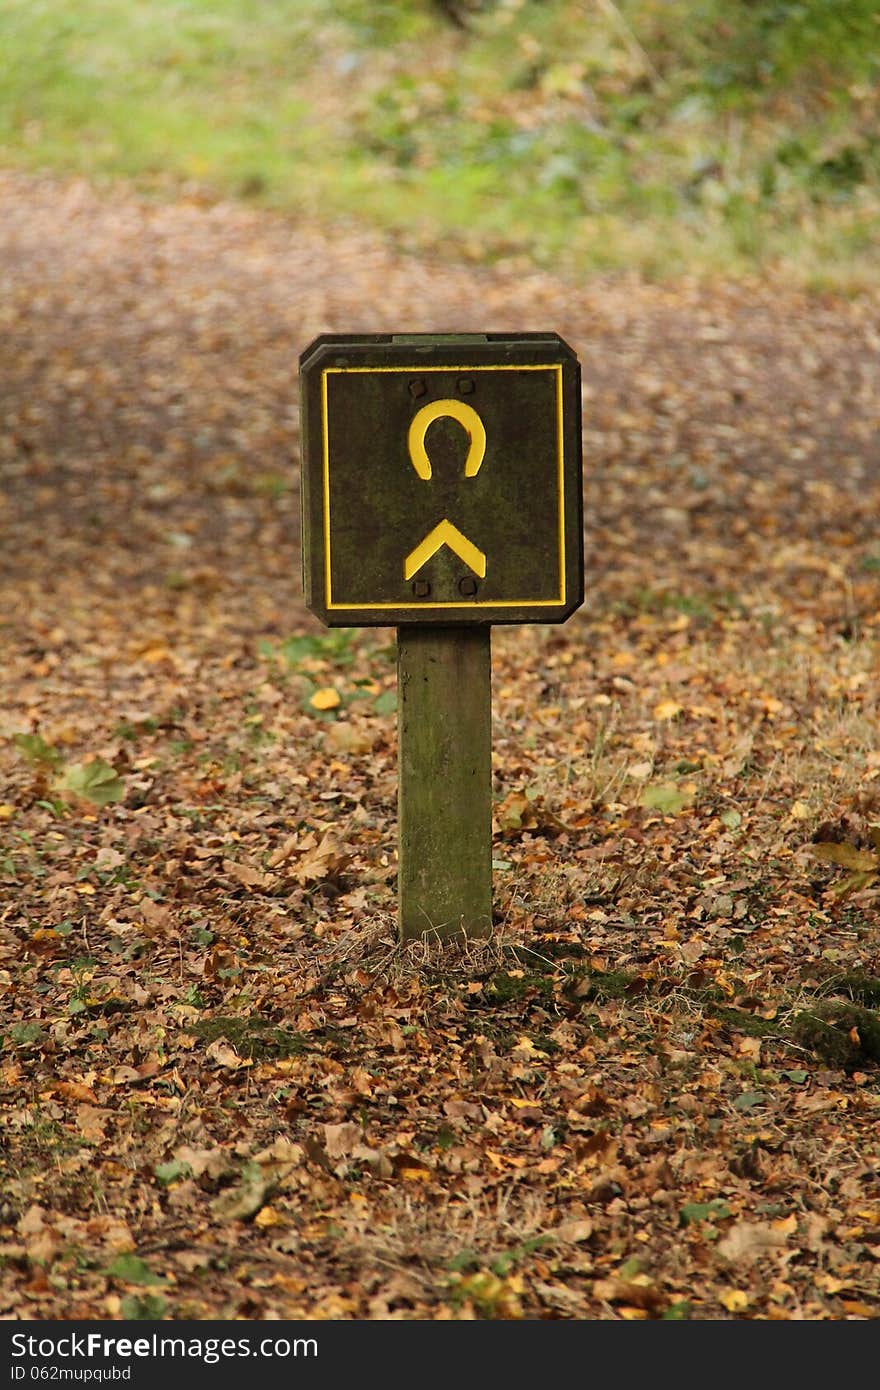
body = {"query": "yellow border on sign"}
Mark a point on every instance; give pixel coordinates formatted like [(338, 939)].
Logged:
[(472, 603)]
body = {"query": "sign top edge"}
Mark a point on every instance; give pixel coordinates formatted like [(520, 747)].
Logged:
[(414, 347)]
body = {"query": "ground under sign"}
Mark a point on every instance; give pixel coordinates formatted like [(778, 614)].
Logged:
[(441, 493)]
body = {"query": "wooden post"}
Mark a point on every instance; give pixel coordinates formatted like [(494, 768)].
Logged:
[(444, 782)]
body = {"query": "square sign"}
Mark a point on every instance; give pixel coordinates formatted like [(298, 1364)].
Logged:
[(441, 479)]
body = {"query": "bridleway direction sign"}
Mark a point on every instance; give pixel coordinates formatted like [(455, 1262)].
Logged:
[(441, 493), (442, 479)]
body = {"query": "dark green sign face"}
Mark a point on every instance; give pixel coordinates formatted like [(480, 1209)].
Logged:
[(441, 479)]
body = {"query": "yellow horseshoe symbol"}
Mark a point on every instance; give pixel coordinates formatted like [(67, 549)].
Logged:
[(437, 410)]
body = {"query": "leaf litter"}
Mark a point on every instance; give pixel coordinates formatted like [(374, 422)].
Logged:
[(226, 1091)]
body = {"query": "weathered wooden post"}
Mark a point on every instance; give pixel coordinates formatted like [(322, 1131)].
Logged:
[(441, 493)]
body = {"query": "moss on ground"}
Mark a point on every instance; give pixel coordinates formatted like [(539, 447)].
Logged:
[(839, 1033), (253, 1038)]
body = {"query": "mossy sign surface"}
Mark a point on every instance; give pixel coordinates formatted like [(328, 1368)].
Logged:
[(441, 479)]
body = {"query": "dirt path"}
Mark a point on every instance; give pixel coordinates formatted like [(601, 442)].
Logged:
[(149, 380), (214, 1069)]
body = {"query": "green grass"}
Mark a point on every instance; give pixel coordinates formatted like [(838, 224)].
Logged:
[(718, 135)]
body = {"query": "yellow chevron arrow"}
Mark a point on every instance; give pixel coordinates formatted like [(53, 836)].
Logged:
[(445, 534)]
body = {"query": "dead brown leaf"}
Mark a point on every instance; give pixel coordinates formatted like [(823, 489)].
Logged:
[(638, 1292), (748, 1240), (340, 1140)]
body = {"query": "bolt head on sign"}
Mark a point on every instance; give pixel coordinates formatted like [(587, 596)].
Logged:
[(441, 479)]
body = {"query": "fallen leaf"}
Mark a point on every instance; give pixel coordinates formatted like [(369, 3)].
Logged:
[(848, 856), (155, 915), (638, 1292), (108, 858), (734, 1300), (493, 1297), (286, 850), (325, 699), (522, 811), (667, 798), (225, 1056), (323, 861), (343, 737), (75, 1090), (639, 771), (33, 1221), (243, 1201), (267, 1218), (130, 1269), (91, 1121), (340, 1140), (748, 1240), (576, 1230), (95, 781), (283, 1153), (246, 874), (210, 1163)]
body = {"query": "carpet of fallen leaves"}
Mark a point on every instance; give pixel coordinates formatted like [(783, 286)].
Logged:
[(226, 1093)]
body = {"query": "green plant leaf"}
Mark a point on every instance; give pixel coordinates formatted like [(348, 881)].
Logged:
[(677, 1312), (666, 798), (131, 1269), (853, 882), (36, 750), (749, 1099), (95, 781), (386, 703), (704, 1211), (145, 1307), (848, 856), (173, 1170), (465, 1259), (24, 1034), (336, 646)]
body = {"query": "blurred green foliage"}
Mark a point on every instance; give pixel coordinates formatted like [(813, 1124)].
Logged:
[(660, 135)]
